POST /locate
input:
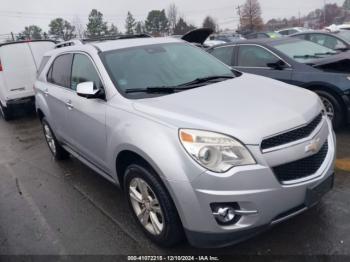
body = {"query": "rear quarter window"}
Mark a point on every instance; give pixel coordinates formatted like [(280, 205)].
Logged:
[(43, 63)]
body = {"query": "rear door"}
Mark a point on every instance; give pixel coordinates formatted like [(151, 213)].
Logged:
[(255, 59), (58, 93), (19, 70)]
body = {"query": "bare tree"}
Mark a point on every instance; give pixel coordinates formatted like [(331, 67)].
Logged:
[(251, 16), (172, 13), (79, 28)]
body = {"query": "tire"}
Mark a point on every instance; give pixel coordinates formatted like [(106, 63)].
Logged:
[(56, 149), (171, 232), (333, 108), (5, 113)]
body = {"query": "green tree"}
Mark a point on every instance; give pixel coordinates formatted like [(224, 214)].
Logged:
[(130, 24), (209, 22), (182, 27), (96, 26), (157, 22), (32, 32), (61, 29), (346, 4), (113, 30)]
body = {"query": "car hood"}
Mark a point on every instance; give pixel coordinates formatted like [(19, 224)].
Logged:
[(197, 36), (339, 63), (248, 107)]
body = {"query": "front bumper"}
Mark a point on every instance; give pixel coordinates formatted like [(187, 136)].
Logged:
[(252, 188)]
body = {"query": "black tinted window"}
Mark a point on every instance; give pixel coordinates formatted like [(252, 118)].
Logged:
[(255, 56), (224, 54), (59, 74), (84, 71)]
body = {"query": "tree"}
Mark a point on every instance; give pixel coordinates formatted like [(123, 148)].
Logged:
[(61, 29), (96, 26), (79, 28), (172, 14), (140, 28), (251, 16), (182, 27), (209, 22), (130, 24), (113, 30), (32, 32), (332, 11), (346, 4), (157, 22)]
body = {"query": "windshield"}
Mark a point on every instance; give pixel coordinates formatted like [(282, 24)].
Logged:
[(161, 65), (302, 51), (345, 34)]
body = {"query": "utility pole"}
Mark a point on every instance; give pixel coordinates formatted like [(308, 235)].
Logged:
[(324, 13), (299, 19), (238, 8)]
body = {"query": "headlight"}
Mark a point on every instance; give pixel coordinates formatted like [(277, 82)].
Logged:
[(214, 151)]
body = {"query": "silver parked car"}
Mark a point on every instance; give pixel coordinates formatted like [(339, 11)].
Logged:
[(200, 150)]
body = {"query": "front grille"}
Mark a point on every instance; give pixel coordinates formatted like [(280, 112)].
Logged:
[(301, 168), (291, 136)]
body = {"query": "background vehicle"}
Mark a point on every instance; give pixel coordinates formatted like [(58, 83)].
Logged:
[(227, 38), (297, 62), (291, 31), (212, 162), (19, 62), (338, 41), (258, 35)]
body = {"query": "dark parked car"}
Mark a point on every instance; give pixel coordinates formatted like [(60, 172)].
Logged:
[(297, 62), (339, 41), (258, 35)]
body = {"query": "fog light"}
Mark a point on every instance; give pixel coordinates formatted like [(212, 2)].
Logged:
[(225, 213)]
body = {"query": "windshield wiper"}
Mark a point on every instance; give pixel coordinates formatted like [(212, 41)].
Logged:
[(205, 79), (306, 56), (327, 53), (158, 89), (172, 89)]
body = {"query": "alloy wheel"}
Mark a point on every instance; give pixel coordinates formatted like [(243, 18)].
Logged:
[(50, 139), (146, 206), (329, 107)]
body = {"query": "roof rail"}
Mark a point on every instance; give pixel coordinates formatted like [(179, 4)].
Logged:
[(114, 37), (68, 43)]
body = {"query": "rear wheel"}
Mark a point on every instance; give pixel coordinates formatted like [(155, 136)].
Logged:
[(152, 206), (5, 113), (333, 108), (56, 149)]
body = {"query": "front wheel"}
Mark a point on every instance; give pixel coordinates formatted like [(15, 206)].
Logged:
[(152, 206), (333, 108)]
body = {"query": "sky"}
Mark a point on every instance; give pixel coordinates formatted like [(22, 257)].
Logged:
[(16, 14)]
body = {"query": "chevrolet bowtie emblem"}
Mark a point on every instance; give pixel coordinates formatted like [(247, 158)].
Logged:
[(313, 147)]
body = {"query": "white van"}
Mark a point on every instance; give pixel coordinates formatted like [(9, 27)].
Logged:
[(19, 64)]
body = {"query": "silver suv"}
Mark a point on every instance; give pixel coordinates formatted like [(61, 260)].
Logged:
[(200, 150)]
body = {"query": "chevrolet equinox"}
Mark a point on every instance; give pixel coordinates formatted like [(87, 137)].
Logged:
[(199, 149)]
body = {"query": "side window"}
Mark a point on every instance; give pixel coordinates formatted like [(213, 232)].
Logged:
[(255, 56), (303, 37), (83, 70), (224, 54), (59, 73), (327, 41), (284, 32)]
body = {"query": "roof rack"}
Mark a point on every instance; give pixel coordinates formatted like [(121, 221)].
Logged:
[(99, 39), (69, 43), (114, 37)]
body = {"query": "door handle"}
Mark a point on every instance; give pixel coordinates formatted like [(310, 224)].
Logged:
[(46, 92), (69, 105)]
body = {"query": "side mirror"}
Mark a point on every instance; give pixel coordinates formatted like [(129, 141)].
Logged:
[(86, 89), (279, 65)]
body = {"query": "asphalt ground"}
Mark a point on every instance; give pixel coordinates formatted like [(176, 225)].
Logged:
[(64, 208)]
